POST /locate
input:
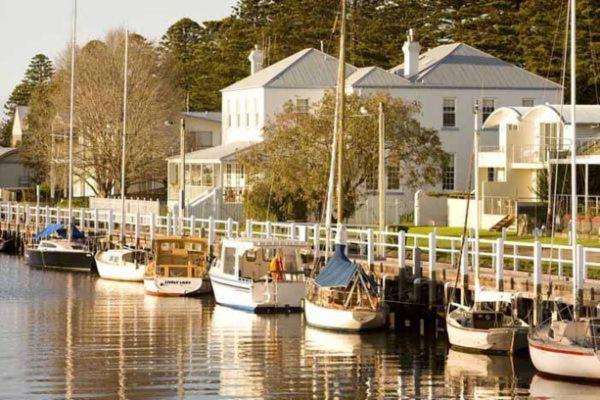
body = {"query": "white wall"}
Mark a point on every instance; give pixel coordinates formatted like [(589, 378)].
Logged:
[(250, 101), (430, 210)]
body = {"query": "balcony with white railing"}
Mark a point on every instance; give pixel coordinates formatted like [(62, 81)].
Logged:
[(492, 156)]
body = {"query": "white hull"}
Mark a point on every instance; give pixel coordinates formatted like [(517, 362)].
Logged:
[(344, 320), (120, 272), (568, 361), (256, 296), (500, 340), (163, 286)]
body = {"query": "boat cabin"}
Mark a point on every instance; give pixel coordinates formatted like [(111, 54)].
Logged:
[(62, 244), (179, 256), (259, 259)]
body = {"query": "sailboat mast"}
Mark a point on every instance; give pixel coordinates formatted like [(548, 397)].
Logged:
[(124, 138), (477, 206), (576, 267), (341, 83), (71, 114)]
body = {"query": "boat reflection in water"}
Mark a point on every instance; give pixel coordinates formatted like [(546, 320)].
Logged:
[(544, 387)]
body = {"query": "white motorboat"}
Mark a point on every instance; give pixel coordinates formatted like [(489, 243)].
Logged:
[(568, 348), (261, 275), (179, 267), (122, 264), (486, 327), (343, 296)]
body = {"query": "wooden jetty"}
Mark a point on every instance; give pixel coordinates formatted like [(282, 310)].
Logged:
[(418, 272)]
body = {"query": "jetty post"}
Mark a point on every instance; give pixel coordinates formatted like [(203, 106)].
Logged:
[(537, 282), (499, 258), (401, 249)]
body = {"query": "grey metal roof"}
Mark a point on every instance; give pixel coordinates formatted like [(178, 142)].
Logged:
[(308, 68), (216, 154), (460, 65), (208, 115), (375, 77)]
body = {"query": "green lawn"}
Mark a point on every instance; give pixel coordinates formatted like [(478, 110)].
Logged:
[(486, 234)]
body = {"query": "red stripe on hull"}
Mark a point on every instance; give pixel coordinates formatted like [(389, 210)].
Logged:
[(574, 353)]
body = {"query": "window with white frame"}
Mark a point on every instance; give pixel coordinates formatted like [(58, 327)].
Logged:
[(302, 106), (449, 113), (527, 102), (487, 108), (448, 173)]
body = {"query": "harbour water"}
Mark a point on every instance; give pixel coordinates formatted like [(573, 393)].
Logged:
[(72, 335)]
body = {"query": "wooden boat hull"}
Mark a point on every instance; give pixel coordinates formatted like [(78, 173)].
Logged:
[(60, 259), (565, 361), (176, 286), (257, 296), (128, 272), (343, 320), (495, 340)]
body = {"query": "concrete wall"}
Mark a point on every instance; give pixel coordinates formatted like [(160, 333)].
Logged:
[(430, 210)]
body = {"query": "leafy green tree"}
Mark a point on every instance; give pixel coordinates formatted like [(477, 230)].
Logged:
[(287, 172)]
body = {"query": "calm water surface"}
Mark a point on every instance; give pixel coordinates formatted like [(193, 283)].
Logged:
[(73, 335)]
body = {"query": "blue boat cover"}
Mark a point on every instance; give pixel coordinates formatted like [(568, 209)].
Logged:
[(60, 230), (338, 272)]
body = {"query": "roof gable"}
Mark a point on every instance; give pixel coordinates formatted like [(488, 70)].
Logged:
[(375, 77), (460, 65), (308, 68)]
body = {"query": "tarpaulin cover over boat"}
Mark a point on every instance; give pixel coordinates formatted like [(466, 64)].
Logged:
[(60, 230), (338, 272)]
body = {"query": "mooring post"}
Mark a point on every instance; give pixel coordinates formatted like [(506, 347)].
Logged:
[(432, 272), (370, 247), (292, 231), (317, 240), (500, 264), (229, 233), (537, 282), (248, 228), (401, 249), (578, 281), (211, 231), (464, 273), (268, 229)]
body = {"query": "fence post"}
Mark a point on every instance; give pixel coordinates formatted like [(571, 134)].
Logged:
[(110, 223), (82, 218), (192, 225), (515, 259), (292, 231), (211, 231), (95, 216), (401, 249), (560, 262), (37, 218), (248, 228), (47, 221), (583, 264), (137, 226), (229, 227), (317, 240), (370, 258), (537, 282), (269, 229), (152, 226), (500, 264), (432, 272)]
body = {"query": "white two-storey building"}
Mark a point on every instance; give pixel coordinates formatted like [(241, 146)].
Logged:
[(445, 80)]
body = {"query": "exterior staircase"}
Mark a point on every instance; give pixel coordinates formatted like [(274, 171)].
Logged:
[(505, 222)]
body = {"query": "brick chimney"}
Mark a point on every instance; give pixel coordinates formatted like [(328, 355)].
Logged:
[(256, 58), (411, 51)]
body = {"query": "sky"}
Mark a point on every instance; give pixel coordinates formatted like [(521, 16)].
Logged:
[(29, 27)]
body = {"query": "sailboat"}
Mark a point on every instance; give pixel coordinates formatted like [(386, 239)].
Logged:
[(490, 324), (62, 246), (569, 347), (342, 296), (123, 264)]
